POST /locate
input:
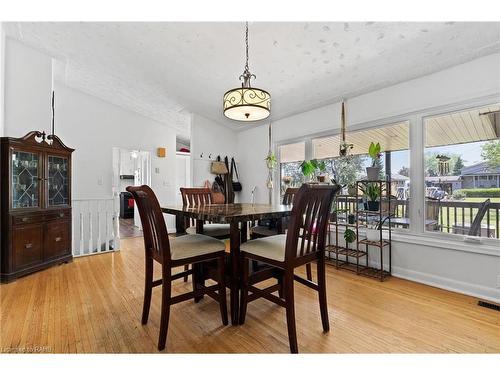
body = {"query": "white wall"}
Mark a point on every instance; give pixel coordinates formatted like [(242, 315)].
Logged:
[(252, 149), (28, 89), (88, 124), (208, 137), (93, 127), (424, 261)]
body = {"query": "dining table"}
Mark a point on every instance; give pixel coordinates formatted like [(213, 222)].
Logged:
[(238, 216)]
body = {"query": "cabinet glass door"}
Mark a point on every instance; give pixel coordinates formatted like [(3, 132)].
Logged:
[(58, 180), (25, 179)]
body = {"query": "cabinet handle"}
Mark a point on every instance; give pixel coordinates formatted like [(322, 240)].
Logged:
[(58, 239), (28, 245), (24, 219)]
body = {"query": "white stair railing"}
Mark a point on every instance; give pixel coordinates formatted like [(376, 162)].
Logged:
[(96, 227)]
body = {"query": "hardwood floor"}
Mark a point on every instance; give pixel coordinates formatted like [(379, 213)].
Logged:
[(128, 229), (93, 305)]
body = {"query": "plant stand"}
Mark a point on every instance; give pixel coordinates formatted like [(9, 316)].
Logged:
[(355, 257), (341, 256)]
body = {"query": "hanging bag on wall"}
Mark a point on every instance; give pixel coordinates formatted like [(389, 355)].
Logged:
[(228, 183), (218, 167), (236, 183), (215, 192)]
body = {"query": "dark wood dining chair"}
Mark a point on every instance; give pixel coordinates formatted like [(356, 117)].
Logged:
[(193, 197), (189, 249), (271, 229), (303, 244)]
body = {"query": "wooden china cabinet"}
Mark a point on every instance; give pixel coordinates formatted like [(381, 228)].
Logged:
[(35, 204)]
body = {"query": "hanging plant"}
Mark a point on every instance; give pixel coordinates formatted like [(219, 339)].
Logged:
[(271, 161), (345, 148)]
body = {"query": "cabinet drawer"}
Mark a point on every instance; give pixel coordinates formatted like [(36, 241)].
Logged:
[(27, 219), (57, 239), (27, 246), (58, 215)]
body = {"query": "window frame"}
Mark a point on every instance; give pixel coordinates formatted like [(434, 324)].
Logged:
[(416, 232)]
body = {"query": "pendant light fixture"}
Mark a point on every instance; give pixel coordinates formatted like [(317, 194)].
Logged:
[(247, 103)]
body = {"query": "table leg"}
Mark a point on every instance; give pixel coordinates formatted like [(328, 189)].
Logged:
[(279, 226), (234, 242), (180, 225), (244, 232), (199, 226), (198, 276)]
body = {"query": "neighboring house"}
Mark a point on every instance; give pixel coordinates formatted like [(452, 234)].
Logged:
[(399, 185), (480, 175), (445, 183)]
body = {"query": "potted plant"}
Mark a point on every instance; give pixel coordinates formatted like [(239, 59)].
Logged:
[(372, 232), (271, 161), (349, 236), (314, 167), (345, 148), (373, 229), (371, 192), (373, 172)]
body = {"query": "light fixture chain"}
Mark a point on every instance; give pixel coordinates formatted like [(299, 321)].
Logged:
[(246, 43)]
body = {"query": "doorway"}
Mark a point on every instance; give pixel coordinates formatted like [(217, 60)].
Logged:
[(183, 174), (130, 167)]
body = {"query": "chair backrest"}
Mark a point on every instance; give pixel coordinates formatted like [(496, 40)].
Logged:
[(155, 233), (309, 219), (289, 195), (196, 196), (476, 224)]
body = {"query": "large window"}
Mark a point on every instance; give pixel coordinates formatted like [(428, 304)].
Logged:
[(456, 189), (462, 172), (394, 162)]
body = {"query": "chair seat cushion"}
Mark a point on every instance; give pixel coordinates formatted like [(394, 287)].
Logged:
[(272, 247), (192, 245), (212, 230), (269, 247)]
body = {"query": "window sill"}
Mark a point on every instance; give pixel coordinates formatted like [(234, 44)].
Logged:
[(447, 243)]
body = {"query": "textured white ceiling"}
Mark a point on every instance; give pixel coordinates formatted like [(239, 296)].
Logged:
[(166, 70)]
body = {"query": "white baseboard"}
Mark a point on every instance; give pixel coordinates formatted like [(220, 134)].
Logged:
[(453, 285), (478, 291)]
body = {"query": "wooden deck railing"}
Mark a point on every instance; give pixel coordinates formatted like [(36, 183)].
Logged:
[(453, 216)]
